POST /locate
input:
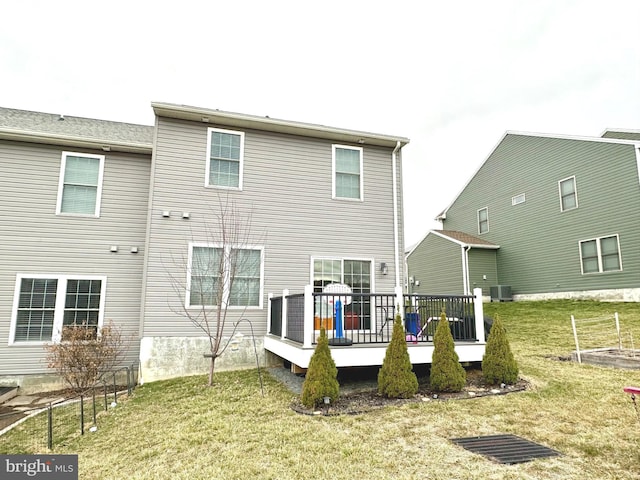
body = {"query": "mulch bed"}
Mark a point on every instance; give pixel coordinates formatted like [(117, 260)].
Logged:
[(359, 402)]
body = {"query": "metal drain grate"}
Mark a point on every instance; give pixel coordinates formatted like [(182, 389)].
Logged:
[(507, 449)]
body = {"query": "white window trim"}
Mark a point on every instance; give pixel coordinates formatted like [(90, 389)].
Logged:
[(59, 307), (333, 172), (226, 292), (518, 199), (342, 260), (575, 189), (63, 166), (599, 250), (478, 220), (210, 131)]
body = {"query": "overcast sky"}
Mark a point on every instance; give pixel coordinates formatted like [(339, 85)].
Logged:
[(451, 76)]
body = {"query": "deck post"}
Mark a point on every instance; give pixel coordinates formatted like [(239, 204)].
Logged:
[(308, 329), (269, 297), (479, 314), (399, 302), (283, 322)]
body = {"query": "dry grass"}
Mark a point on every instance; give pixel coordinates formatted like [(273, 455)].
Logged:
[(181, 429)]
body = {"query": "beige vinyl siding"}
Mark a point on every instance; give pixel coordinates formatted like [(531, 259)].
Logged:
[(34, 240), (437, 263), (539, 243), (287, 187)]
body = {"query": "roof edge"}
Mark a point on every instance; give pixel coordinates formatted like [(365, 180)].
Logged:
[(240, 120), (573, 137), (464, 244), (75, 141), (621, 130)]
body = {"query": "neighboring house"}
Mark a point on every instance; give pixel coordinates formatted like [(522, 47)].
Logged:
[(72, 192), (99, 218), (450, 262), (545, 216)]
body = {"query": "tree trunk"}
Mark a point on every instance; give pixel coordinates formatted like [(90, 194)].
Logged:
[(211, 366)]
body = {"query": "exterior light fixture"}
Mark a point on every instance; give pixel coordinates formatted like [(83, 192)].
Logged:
[(383, 268), (327, 401)]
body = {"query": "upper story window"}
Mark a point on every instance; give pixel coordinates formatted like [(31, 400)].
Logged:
[(80, 185), (483, 220), (225, 275), (518, 199), (44, 304), (347, 172), (568, 194), (225, 158), (601, 255)]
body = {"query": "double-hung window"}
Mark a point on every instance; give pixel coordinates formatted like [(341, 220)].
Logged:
[(225, 276), (44, 304), (568, 194), (600, 255), (80, 185), (225, 158), (347, 172), (483, 220)]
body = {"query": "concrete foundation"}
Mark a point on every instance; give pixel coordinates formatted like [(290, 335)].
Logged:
[(170, 357), (609, 295), (28, 384)]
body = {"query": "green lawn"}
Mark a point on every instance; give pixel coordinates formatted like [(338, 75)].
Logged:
[(181, 429)]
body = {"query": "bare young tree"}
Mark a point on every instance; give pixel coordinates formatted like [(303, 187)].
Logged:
[(223, 270)]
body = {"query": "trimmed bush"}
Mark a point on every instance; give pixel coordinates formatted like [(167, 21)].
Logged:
[(396, 378), (321, 379), (498, 363), (447, 375)]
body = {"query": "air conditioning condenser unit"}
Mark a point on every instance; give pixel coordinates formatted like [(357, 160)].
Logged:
[(501, 293)]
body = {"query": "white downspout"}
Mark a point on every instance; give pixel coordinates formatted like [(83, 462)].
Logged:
[(396, 226), (465, 270)]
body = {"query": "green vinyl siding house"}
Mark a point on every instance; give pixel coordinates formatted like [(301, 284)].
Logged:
[(552, 217), (447, 262)]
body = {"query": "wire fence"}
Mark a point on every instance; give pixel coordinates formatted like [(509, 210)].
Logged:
[(54, 423), (601, 333)]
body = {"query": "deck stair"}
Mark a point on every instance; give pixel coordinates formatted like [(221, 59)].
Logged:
[(7, 393)]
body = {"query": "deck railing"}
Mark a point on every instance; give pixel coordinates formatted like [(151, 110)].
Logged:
[(367, 318)]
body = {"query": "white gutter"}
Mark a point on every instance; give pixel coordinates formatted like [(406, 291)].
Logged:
[(75, 141), (396, 226), (240, 120)]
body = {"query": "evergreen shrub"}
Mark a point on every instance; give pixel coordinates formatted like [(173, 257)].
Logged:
[(498, 363), (321, 379), (447, 375), (396, 378)]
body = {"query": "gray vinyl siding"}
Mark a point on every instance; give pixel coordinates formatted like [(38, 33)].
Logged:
[(437, 263), (482, 263), (34, 240), (538, 243), (287, 188)]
